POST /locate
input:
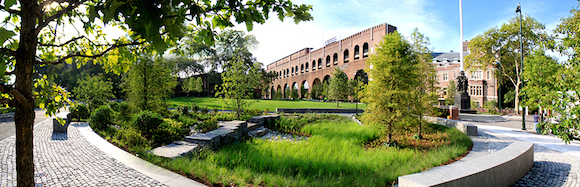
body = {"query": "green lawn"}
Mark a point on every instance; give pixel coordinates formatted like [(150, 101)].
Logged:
[(333, 156), (271, 105)]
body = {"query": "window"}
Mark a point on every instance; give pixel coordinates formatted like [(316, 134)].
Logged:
[(345, 56), (313, 65), (365, 50), (307, 66), (327, 60), (356, 51), (335, 59), (488, 75), (292, 71), (445, 77), (319, 63), (476, 90), (476, 75), (296, 70), (302, 68)]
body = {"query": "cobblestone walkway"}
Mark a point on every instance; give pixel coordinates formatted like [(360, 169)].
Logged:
[(551, 168), (68, 159)]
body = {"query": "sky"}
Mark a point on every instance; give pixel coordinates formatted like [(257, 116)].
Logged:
[(438, 20)]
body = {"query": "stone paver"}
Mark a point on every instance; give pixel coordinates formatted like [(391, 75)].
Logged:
[(68, 159), (551, 167)]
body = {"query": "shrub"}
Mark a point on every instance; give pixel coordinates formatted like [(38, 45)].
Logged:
[(80, 112), (184, 110), (216, 110), (208, 125), (96, 103), (130, 137), (204, 110), (195, 108), (253, 112), (147, 122), (225, 116), (168, 131), (187, 121), (123, 109), (101, 117)]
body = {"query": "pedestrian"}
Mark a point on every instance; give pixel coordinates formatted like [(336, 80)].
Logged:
[(536, 122)]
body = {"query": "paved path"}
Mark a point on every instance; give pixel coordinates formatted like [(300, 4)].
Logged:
[(7, 127), (555, 163), (70, 159)]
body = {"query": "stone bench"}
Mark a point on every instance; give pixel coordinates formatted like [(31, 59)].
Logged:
[(57, 127), (204, 139), (502, 168), (175, 149), (466, 128)]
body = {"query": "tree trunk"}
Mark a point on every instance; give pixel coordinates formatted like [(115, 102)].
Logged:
[(517, 97), (24, 115)]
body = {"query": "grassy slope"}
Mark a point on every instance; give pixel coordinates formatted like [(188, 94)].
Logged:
[(333, 156), (271, 105)]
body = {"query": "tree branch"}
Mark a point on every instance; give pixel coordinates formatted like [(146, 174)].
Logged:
[(54, 45), (6, 101), (72, 5), (5, 88), (18, 96), (72, 55), (11, 11), (10, 51)]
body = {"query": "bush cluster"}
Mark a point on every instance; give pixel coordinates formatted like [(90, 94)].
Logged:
[(101, 118), (168, 131), (147, 122), (79, 112), (208, 125)]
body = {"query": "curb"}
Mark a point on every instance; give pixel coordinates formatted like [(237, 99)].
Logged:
[(157, 173)]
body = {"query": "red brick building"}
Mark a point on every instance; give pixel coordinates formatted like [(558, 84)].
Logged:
[(310, 66), (482, 84)]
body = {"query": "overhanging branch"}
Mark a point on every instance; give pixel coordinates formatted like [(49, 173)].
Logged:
[(10, 51), (11, 11), (5, 88), (60, 45), (72, 5), (6, 101), (72, 55)]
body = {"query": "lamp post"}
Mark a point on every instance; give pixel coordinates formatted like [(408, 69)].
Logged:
[(519, 10), (499, 86)]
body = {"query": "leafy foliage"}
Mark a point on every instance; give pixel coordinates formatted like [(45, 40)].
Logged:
[(79, 111), (237, 84), (101, 118), (338, 87), (147, 83), (93, 87), (147, 123), (393, 92)]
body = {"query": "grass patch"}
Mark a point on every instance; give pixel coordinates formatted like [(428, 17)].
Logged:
[(258, 104), (334, 155)]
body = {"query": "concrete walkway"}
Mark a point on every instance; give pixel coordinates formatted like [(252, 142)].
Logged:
[(555, 163), (82, 158)]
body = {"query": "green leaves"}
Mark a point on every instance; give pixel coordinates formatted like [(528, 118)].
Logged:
[(9, 3), (4, 35)]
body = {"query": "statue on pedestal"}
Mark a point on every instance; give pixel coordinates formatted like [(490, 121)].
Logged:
[(462, 99)]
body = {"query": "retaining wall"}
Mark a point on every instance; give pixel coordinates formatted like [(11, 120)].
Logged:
[(317, 110), (502, 168), (467, 128)]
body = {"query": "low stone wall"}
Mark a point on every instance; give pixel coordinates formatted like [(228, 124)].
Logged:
[(316, 110), (467, 128), (502, 168)]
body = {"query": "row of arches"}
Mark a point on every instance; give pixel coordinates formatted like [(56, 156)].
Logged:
[(304, 86), (317, 64)]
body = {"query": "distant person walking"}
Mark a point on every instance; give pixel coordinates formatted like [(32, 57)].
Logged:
[(536, 122)]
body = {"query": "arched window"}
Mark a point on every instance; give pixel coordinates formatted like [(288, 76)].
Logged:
[(319, 63), (356, 52), (296, 70), (335, 59), (327, 60), (292, 72), (346, 56), (287, 72), (307, 67), (313, 65), (365, 50), (301, 68)]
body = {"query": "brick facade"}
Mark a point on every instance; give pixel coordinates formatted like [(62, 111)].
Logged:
[(310, 66)]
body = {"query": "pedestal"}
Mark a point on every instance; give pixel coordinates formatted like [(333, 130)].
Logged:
[(463, 102)]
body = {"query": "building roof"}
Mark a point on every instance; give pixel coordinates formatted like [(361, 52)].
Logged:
[(448, 56)]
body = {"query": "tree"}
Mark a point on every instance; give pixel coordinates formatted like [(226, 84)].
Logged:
[(32, 38), (426, 89), (395, 77), (294, 94), (192, 84), (568, 86), (303, 92), (338, 88), (265, 79), (541, 74), (93, 87), (356, 86), (450, 94), (316, 92), (237, 84), (503, 45), (147, 82)]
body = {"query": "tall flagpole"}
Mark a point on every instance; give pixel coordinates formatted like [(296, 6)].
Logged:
[(461, 37)]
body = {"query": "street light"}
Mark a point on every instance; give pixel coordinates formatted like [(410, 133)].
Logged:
[(519, 10)]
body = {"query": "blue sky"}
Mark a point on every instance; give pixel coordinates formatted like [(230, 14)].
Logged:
[(438, 20)]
